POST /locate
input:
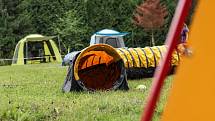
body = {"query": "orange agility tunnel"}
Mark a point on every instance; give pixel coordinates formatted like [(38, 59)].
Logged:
[(98, 67), (102, 67)]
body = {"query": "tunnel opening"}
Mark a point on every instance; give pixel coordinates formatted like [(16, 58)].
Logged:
[(99, 67)]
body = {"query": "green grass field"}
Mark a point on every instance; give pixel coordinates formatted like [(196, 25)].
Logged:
[(33, 93)]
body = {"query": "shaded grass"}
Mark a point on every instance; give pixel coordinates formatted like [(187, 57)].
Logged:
[(33, 92)]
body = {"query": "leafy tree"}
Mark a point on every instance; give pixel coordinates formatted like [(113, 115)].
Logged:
[(115, 15), (13, 25), (74, 21), (72, 30), (150, 15)]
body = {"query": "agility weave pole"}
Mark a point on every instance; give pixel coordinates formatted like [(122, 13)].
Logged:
[(161, 72)]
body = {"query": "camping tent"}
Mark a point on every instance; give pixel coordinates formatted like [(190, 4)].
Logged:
[(108, 36), (36, 48)]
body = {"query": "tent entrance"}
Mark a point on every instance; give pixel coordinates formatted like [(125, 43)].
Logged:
[(38, 52)]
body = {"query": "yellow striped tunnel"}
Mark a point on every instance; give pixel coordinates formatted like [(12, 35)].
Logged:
[(145, 57)]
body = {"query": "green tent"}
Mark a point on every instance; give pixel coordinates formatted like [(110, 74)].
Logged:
[(34, 49)]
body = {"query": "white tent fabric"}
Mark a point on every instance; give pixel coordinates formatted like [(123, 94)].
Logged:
[(107, 33)]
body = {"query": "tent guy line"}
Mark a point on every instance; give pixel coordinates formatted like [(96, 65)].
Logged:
[(26, 58)]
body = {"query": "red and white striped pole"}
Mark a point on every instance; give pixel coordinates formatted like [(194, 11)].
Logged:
[(181, 13)]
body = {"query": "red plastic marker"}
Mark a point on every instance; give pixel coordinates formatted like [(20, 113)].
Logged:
[(181, 13)]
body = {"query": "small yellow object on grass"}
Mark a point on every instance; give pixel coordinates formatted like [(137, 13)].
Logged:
[(141, 87)]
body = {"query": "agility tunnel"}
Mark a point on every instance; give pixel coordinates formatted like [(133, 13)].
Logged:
[(102, 67), (142, 62), (98, 67)]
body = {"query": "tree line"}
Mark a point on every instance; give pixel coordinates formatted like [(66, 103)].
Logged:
[(74, 21)]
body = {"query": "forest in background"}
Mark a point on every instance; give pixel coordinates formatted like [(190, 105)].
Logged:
[(74, 21)]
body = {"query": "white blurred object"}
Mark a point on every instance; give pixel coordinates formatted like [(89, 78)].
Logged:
[(141, 87), (68, 58), (188, 52)]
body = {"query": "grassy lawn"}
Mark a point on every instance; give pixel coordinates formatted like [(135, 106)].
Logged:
[(33, 92)]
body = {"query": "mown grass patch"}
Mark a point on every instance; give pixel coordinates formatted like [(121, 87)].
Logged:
[(33, 92)]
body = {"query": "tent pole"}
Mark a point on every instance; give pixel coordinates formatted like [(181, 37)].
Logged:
[(26, 51), (58, 38)]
